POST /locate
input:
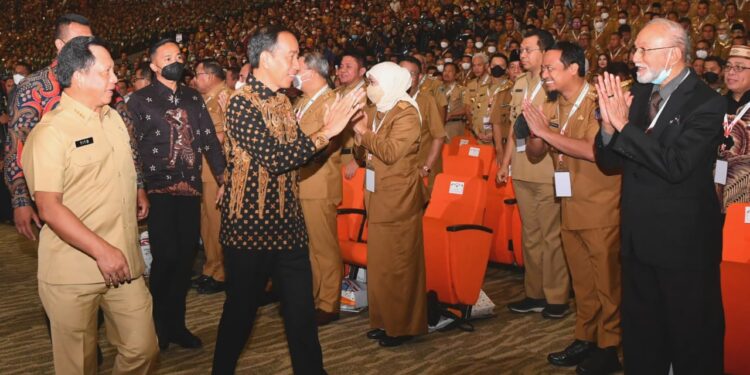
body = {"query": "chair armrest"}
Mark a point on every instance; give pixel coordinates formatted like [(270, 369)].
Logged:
[(462, 227), (351, 211), (510, 201)]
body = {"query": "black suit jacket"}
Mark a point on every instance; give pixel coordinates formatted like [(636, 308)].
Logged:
[(670, 212)]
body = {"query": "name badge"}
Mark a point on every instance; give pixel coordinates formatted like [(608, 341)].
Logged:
[(720, 173), (521, 145), (462, 142), (84, 142), (370, 180), (562, 184), (486, 123)]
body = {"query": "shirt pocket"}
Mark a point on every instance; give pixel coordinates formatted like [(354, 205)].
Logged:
[(90, 163)]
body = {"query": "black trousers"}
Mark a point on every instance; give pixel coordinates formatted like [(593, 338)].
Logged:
[(672, 316), (173, 230), (247, 272)]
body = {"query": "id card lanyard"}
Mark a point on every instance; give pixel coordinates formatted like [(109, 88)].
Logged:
[(720, 172), (653, 122), (309, 104), (573, 110), (563, 183), (521, 143)]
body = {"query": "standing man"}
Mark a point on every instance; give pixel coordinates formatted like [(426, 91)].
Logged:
[(480, 93), (173, 130), (79, 169), (455, 111), (566, 126), (664, 135), (142, 76), (546, 280), (320, 190), (210, 82), (432, 133), (351, 75), (265, 148)]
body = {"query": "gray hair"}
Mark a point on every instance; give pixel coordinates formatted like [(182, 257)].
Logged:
[(317, 62), (675, 33), (482, 56)]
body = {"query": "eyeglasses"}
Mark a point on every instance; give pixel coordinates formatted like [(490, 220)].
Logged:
[(735, 68), (642, 50), (528, 50)]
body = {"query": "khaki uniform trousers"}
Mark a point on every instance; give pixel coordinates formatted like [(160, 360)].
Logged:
[(546, 273), (325, 254), (594, 259), (210, 226), (72, 311)]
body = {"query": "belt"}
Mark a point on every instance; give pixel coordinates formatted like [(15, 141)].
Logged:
[(346, 151)]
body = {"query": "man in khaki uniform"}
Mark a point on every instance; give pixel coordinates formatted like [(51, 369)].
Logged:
[(455, 111), (480, 93), (351, 75), (320, 190), (702, 17), (210, 82), (429, 84), (432, 136), (80, 170), (567, 127), (546, 280)]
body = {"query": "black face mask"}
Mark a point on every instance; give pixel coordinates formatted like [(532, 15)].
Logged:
[(497, 71), (711, 77), (173, 71)]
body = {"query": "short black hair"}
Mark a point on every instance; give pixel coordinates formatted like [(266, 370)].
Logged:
[(359, 58), (499, 55), (76, 56), (212, 67), (617, 68), (718, 60), (235, 72), (264, 40), (145, 69), (25, 65), (155, 47), (544, 38), (67, 19), (412, 60), (571, 53), (445, 65)]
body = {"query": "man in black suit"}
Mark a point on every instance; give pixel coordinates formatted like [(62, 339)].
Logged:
[(664, 134)]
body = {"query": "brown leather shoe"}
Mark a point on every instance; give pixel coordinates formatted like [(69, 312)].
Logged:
[(324, 317)]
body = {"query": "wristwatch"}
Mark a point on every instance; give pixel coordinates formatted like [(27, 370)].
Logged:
[(426, 169)]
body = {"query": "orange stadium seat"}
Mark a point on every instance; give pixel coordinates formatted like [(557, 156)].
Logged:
[(352, 221), (485, 154), (503, 217), (456, 245), (462, 166), (456, 142), (735, 278)]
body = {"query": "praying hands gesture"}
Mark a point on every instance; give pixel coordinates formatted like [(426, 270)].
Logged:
[(614, 102), (537, 121)]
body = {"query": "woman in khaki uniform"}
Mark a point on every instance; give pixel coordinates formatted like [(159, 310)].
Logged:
[(388, 139)]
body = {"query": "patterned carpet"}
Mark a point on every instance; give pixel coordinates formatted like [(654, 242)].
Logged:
[(505, 344)]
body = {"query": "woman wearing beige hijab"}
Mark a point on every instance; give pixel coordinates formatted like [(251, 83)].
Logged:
[(388, 140)]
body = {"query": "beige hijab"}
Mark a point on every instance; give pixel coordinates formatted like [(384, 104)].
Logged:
[(395, 81)]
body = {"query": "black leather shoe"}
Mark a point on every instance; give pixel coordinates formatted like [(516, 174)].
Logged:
[(527, 305), (574, 354), (211, 286), (186, 340), (199, 281), (325, 317), (388, 341), (376, 334), (600, 362), (552, 311)]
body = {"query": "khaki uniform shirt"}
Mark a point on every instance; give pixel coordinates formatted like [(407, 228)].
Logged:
[(320, 178), (500, 110), (87, 157), (218, 118), (521, 168), (432, 125), (480, 94), (454, 97), (596, 197)]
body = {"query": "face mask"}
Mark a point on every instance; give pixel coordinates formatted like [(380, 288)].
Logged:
[(723, 37), (17, 78), (605, 15), (448, 60), (491, 49), (298, 80), (374, 93), (238, 85), (710, 77), (497, 71), (443, 44), (622, 21), (701, 53), (465, 66), (664, 72), (599, 26), (479, 45), (440, 68), (173, 71)]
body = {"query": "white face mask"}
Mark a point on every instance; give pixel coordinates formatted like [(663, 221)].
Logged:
[(17, 78), (465, 66), (599, 26), (448, 60), (622, 21), (701, 53), (605, 15), (723, 37), (443, 44), (479, 45), (491, 49), (238, 85), (440, 68)]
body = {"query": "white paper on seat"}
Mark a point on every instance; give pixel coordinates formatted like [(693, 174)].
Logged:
[(474, 152), (457, 187), (747, 215), (462, 142)]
